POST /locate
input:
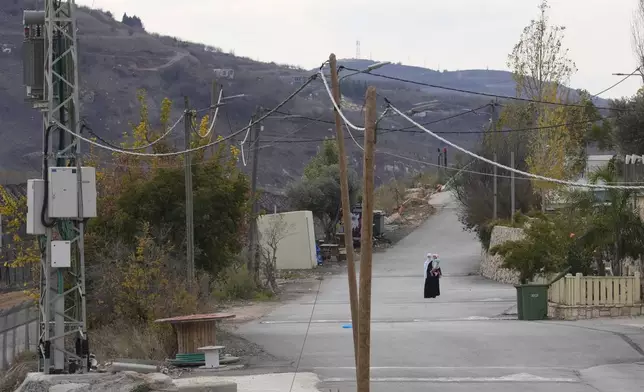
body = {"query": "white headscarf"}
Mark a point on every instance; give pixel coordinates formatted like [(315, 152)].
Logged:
[(436, 260), (427, 261)]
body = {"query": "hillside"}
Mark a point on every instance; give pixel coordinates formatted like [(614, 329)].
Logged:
[(116, 60)]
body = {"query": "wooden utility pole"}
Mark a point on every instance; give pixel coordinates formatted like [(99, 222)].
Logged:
[(346, 208), (190, 241), (495, 188), (214, 101), (366, 240), (252, 261), (512, 188), (495, 213)]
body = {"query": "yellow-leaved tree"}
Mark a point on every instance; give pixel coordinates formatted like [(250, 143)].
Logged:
[(22, 251), (541, 69)]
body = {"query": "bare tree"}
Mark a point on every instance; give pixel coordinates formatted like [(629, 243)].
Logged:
[(270, 238), (637, 29)]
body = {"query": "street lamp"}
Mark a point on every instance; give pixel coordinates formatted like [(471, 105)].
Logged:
[(370, 68)]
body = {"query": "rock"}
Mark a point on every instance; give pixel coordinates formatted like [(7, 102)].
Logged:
[(412, 202), (415, 193), (393, 219), (96, 382)]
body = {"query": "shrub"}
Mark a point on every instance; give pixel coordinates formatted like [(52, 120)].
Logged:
[(319, 189), (548, 247), (123, 339), (236, 282), (23, 363)]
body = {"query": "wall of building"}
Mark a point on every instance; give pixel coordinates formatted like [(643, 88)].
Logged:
[(296, 246)]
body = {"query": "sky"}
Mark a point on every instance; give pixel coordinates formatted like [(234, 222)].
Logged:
[(447, 35)]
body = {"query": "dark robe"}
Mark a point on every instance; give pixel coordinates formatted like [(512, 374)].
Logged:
[(432, 285)]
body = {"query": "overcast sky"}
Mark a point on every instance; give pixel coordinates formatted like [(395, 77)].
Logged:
[(446, 34)]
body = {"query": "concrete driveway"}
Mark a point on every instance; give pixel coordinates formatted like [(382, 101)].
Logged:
[(466, 339)]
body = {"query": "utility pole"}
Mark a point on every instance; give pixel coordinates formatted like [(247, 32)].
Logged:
[(215, 99), (346, 209), (252, 234), (364, 358), (495, 210), (512, 187), (496, 186), (190, 240), (51, 80)]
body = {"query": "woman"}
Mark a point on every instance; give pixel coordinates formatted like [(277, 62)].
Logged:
[(432, 275)]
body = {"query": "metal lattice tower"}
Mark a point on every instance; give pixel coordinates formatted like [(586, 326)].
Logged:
[(63, 344)]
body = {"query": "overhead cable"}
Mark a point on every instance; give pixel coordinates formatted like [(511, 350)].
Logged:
[(508, 97), (167, 132), (523, 173), (176, 153)]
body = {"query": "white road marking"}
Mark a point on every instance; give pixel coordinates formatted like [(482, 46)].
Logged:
[(514, 378), (276, 382), (393, 321), (461, 368)]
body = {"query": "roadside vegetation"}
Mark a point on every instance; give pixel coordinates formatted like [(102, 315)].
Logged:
[(576, 228), (135, 249)]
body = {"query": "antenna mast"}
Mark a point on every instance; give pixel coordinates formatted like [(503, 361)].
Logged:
[(51, 81)]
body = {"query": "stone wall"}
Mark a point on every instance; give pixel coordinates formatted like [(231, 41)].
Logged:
[(564, 312), (491, 265)]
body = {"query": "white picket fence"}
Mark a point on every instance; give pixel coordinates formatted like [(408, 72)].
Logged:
[(582, 290)]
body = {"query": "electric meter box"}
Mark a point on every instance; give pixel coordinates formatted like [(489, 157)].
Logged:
[(35, 200), (61, 254), (63, 192)]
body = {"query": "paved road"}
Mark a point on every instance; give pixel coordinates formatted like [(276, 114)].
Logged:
[(466, 339)]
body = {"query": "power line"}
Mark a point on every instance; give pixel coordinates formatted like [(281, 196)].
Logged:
[(167, 132), (122, 151), (520, 172), (476, 92), (618, 83)]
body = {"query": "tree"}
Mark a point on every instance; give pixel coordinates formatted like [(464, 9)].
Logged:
[(541, 68), (614, 228), (152, 192), (628, 122), (132, 21), (319, 189), (539, 62), (475, 191), (270, 238), (544, 250), (637, 29)]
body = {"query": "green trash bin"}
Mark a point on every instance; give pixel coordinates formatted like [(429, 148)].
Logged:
[(532, 301)]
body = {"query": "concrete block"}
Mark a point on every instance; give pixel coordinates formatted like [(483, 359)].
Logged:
[(206, 384), (595, 313), (604, 312), (614, 312), (636, 311), (625, 311), (135, 367)]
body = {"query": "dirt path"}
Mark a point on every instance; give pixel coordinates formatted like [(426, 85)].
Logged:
[(177, 57)]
